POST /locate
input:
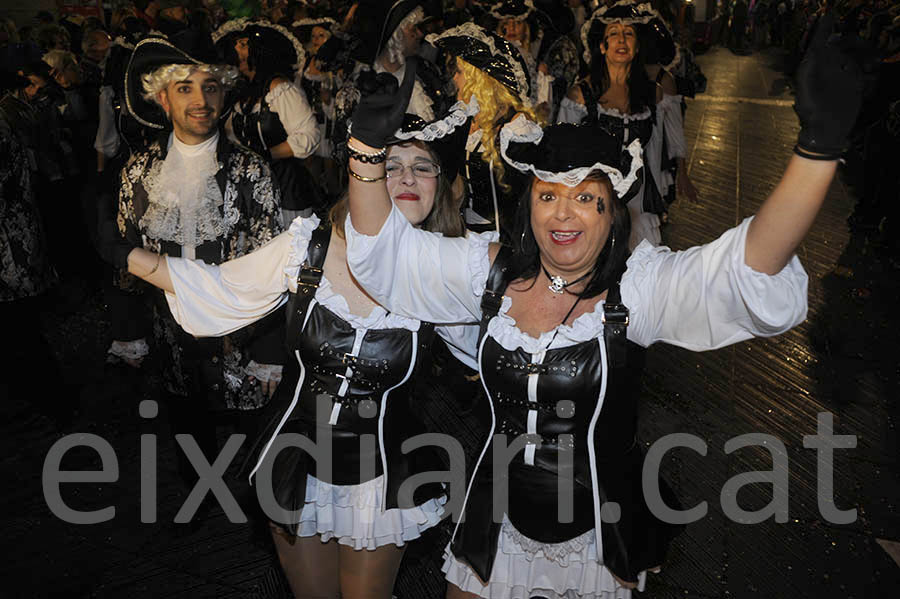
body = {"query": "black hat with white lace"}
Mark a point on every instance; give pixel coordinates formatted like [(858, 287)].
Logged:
[(445, 136), (488, 52), (652, 30), (567, 154)]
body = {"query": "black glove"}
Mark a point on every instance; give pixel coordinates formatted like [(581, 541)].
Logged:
[(382, 105), (829, 94), (111, 246)]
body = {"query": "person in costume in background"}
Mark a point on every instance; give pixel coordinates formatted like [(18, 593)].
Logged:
[(271, 115), (349, 527), (192, 193), (385, 34), (517, 24), (555, 308), (491, 77), (320, 82), (619, 95)]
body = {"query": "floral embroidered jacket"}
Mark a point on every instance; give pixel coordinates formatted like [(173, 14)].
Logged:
[(251, 211)]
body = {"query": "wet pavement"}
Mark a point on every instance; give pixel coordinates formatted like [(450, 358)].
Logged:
[(843, 361)]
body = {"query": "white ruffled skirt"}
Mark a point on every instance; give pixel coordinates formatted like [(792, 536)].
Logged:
[(524, 568), (352, 515)]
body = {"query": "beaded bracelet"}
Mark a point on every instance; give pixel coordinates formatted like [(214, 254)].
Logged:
[(803, 153), (359, 177), (366, 157)]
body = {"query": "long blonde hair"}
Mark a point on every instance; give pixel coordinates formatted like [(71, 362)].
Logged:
[(495, 101)]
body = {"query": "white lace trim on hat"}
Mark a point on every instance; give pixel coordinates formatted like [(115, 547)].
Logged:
[(474, 31), (458, 115), (244, 22), (646, 10), (495, 11), (522, 130)]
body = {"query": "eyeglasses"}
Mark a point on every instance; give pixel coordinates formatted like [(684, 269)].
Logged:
[(423, 169)]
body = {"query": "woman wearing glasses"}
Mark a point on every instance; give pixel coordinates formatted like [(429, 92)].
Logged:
[(350, 376)]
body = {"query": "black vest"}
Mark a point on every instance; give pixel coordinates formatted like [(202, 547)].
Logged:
[(565, 418), (360, 380)]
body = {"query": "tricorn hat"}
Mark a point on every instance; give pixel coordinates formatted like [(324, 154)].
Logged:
[(375, 22), (447, 136), (275, 42), (488, 52), (653, 32), (186, 47), (567, 153)]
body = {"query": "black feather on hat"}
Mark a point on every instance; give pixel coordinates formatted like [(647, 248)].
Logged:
[(567, 153), (490, 53)]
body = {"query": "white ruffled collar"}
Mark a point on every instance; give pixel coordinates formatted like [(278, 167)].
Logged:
[(300, 231), (503, 329), (620, 115)]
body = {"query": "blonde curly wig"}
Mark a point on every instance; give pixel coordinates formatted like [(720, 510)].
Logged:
[(495, 101), (159, 79)]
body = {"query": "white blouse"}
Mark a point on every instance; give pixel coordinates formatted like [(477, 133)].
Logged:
[(288, 101), (702, 298), (214, 300)]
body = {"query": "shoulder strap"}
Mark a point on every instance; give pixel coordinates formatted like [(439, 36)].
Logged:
[(590, 102), (308, 279), (615, 325), (492, 298)]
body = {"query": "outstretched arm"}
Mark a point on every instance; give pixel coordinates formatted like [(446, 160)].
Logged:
[(151, 267), (829, 86)]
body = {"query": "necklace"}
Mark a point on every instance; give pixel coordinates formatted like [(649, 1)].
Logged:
[(558, 284)]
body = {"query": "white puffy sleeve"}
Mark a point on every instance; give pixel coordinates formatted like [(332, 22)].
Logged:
[(706, 297), (418, 274), (571, 112), (213, 300), (297, 118), (668, 113)]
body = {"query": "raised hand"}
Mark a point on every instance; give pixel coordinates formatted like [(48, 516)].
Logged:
[(829, 94), (382, 105)]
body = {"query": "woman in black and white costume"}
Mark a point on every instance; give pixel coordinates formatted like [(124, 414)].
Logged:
[(350, 534), (555, 309), (492, 78), (271, 116), (515, 19), (619, 95)]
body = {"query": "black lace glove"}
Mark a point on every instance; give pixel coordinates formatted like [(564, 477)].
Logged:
[(829, 94), (382, 105)]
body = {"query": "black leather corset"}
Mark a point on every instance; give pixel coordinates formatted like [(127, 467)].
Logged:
[(637, 128), (354, 380), (258, 131)]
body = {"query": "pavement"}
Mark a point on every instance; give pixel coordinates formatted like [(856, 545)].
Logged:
[(842, 361)]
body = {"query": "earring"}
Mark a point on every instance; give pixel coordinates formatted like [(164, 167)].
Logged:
[(612, 245), (522, 242)]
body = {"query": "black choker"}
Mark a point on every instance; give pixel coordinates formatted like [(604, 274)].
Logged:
[(558, 284)]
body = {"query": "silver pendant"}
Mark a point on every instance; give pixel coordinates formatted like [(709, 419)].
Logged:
[(557, 284)]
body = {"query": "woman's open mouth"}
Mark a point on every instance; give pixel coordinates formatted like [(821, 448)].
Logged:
[(564, 237)]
